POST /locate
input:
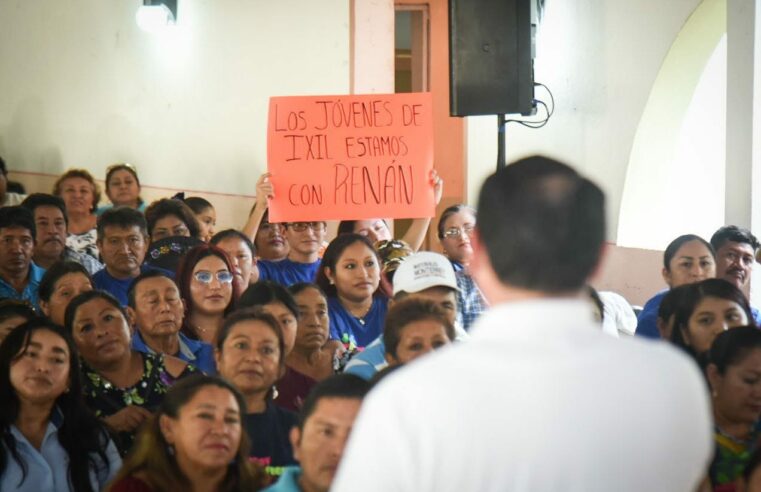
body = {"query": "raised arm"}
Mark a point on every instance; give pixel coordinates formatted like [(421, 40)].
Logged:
[(264, 191), (415, 235)]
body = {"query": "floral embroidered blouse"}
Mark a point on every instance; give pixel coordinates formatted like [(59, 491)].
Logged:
[(106, 399)]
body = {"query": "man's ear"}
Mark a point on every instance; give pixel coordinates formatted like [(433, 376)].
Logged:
[(131, 317)]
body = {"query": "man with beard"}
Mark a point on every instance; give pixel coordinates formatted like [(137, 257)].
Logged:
[(122, 242), (19, 276), (51, 226), (735, 252)]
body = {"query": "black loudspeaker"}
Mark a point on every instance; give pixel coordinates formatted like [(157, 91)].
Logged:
[(491, 68)]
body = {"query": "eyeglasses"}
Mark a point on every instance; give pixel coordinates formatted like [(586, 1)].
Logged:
[(455, 232), (302, 226), (205, 277)]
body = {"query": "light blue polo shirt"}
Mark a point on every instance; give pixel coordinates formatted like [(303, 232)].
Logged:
[(47, 469), (30, 292)]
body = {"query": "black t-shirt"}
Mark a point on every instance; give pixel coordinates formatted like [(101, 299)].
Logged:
[(268, 433)]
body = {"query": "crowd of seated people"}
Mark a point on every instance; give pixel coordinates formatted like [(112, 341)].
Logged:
[(142, 350)]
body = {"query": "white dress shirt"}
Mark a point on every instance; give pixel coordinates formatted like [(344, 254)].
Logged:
[(538, 400)]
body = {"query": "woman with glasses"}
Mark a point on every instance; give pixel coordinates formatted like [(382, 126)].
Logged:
[(455, 228), (205, 277), (81, 195), (123, 187)]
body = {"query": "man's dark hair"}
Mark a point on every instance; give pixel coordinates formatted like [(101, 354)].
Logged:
[(17, 216), (339, 386), (543, 225), (734, 234), (131, 302), (234, 233), (45, 200), (3, 169), (122, 217)]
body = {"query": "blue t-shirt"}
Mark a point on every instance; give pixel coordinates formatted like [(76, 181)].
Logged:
[(30, 293), (646, 321), (195, 352), (368, 362), (119, 287), (287, 272), (356, 332)]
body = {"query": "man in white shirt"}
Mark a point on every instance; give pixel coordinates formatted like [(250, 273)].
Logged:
[(539, 399)]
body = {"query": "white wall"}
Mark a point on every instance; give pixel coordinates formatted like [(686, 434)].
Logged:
[(82, 86), (677, 166), (600, 58)]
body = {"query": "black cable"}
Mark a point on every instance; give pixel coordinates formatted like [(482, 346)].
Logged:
[(549, 111)]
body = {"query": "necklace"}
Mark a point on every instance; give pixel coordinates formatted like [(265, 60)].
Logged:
[(361, 318), (736, 440)]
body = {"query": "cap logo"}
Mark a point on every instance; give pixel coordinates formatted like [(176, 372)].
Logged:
[(428, 269)]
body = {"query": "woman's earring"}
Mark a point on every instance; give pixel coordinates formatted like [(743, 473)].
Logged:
[(274, 392)]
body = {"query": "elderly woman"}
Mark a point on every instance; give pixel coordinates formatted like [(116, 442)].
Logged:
[(121, 385), (50, 440), (156, 308), (81, 195), (455, 228), (123, 187), (194, 442)]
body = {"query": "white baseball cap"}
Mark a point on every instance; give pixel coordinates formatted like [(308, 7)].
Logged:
[(422, 271)]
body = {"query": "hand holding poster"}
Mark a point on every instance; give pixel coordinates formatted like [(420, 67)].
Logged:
[(350, 157)]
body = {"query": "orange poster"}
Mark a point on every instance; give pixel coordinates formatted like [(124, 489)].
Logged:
[(350, 157)]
